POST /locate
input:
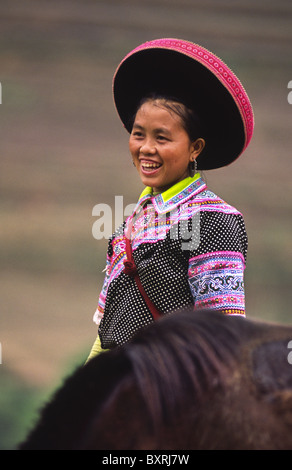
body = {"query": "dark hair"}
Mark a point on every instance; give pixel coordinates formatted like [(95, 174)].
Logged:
[(189, 118)]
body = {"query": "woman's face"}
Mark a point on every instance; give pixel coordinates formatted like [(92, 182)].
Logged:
[(160, 147)]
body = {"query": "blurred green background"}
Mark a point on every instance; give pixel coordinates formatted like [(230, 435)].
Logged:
[(63, 150)]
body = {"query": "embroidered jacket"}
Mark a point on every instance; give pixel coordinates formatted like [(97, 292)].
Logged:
[(189, 247)]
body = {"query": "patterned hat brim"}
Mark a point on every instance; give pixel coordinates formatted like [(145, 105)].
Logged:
[(199, 79)]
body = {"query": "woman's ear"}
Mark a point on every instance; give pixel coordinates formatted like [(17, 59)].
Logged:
[(197, 147)]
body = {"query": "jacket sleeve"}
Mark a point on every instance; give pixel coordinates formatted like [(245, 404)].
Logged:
[(102, 297), (96, 349), (216, 268)]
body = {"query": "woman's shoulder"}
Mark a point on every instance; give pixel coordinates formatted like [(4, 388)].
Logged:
[(211, 202)]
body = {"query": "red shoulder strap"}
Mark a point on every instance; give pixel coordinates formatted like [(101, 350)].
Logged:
[(131, 270)]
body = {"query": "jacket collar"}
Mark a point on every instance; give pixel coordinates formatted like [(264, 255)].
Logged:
[(172, 197)]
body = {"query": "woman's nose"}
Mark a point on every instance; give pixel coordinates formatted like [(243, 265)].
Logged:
[(147, 148)]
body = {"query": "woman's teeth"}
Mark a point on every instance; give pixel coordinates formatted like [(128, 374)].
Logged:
[(151, 165)]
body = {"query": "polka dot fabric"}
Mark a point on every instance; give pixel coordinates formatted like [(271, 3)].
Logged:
[(207, 274)]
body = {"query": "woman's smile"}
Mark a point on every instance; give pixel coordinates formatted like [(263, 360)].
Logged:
[(149, 166)]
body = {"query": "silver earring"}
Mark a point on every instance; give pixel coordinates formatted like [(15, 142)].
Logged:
[(193, 168)]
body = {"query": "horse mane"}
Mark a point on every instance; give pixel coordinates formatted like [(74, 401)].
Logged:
[(175, 359), (181, 357)]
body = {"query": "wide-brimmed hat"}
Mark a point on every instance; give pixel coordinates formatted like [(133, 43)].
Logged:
[(198, 78)]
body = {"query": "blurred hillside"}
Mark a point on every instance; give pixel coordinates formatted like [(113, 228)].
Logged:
[(63, 150)]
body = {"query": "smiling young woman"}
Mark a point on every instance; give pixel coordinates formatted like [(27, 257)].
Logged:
[(183, 245)]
